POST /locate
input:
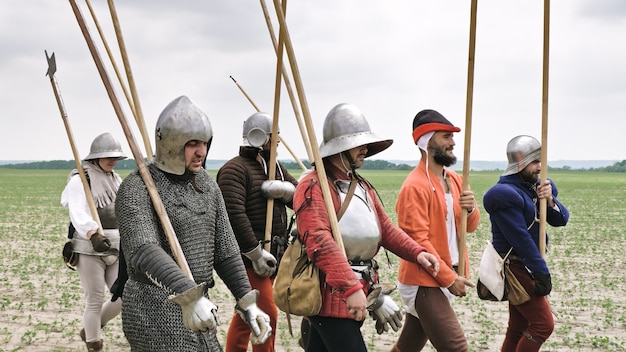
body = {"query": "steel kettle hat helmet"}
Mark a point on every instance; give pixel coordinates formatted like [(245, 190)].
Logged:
[(180, 122), (345, 127), (521, 151), (257, 129), (105, 146)]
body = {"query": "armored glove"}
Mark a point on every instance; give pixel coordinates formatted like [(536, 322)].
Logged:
[(384, 310), (276, 189), (263, 262), (199, 314), (257, 319), (99, 242), (543, 284)]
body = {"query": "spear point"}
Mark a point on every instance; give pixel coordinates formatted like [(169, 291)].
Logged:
[(52, 64)]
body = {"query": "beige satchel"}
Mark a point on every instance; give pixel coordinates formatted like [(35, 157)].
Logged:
[(297, 288), (297, 283)]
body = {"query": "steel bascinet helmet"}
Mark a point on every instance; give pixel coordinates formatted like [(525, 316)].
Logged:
[(180, 122), (257, 129), (105, 146), (345, 127), (521, 151)]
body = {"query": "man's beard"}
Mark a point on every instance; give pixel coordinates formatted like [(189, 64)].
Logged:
[(440, 157), (529, 177)]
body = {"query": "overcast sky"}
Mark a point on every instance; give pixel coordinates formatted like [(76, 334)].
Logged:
[(390, 58)]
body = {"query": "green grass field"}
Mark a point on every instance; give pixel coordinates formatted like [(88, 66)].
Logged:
[(41, 301)]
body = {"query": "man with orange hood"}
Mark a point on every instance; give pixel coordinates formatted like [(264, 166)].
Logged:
[(429, 209)]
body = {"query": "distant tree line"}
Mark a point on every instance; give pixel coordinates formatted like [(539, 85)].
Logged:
[(129, 164), (368, 165), (126, 164), (619, 166)]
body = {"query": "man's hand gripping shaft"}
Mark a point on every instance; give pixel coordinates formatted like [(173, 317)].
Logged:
[(263, 262)]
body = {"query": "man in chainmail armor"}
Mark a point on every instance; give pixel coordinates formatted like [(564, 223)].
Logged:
[(163, 309)]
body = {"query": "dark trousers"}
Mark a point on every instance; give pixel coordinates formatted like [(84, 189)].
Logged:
[(437, 323), (531, 323), (335, 335)]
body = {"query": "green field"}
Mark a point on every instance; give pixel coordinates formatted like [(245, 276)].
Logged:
[(41, 301)]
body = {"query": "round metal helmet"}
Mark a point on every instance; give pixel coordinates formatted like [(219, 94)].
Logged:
[(257, 129), (521, 151), (105, 146), (345, 127), (180, 122)]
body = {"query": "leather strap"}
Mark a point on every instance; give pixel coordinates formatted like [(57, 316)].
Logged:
[(346, 201)]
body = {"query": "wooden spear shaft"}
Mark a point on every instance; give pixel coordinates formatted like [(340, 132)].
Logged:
[(289, 88), (141, 124), (52, 67), (246, 95), (544, 126), (159, 208), (295, 157), (468, 134), (269, 214), (110, 55), (319, 164)]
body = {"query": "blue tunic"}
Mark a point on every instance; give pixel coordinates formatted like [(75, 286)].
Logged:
[(513, 209)]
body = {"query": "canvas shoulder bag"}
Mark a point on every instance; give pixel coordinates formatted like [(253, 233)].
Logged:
[(496, 280), (297, 287), (491, 274)]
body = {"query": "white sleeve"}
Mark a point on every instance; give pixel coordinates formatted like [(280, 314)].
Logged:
[(73, 199)]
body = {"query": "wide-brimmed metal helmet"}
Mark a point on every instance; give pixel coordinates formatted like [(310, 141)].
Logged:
[(180, 122), (521, 151), (345, 127), (257, 129), (105, 146)]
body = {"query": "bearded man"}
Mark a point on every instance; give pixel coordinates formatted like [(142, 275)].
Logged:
[(429, 209), (513, 209)]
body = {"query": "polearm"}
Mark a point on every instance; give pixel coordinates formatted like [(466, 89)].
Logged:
[(129, 99), (246, 94), (468, 133), (52, 69), (288, 86), (177, 252), (141, 124), (269, 213), (110, 55), (319, 164), (281, 139), (544, 126)]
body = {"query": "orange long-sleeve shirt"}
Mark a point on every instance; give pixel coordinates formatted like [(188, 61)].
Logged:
[(422, 215)]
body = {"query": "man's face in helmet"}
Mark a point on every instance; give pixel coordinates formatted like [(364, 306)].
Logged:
[(531, 172), (358, 155), (268, 144), (108, 164), (195, 153), (440, 146)]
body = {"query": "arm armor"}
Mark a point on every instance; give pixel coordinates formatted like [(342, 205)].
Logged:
[(233, 273), (161, 269)]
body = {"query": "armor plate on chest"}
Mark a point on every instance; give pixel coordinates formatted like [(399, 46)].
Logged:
[(359, 225)]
